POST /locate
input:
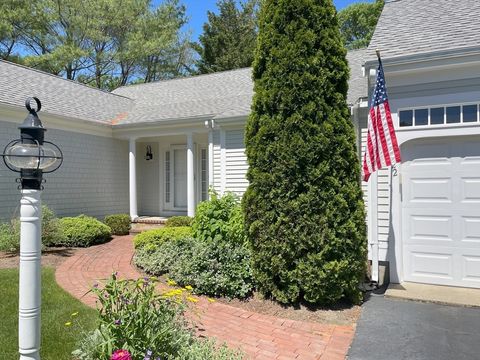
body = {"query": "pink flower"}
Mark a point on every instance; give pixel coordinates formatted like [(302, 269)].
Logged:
[(121, 355)]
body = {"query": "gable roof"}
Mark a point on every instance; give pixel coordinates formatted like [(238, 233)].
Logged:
[(59, 96), (219, 95), (408, 27)]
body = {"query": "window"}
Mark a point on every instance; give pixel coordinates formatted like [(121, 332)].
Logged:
[(452, 114), (421, 117), (437, 116), (406, 118), (470, 113), (204, 174), (167, 176)]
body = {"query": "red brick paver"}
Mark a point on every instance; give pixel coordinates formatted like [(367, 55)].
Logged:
[(260, 336)]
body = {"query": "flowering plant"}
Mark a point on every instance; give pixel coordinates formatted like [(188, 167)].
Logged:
[(121, 355), (134, 317)]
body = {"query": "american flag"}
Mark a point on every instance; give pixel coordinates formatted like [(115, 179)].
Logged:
[(382, 148)]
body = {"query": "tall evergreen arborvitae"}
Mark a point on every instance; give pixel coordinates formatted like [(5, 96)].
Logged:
[(303, 209)]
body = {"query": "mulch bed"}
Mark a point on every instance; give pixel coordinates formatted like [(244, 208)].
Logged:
[(52, 257), (340, 314)]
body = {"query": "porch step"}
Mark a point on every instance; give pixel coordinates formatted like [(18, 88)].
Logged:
[(150, 220), (138, 228)]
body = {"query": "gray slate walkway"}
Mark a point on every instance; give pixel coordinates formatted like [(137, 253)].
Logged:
[(395, 330)]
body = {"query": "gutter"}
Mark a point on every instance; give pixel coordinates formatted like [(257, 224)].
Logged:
[(425, 57)]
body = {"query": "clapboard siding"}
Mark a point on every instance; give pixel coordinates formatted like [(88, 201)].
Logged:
[(217, 168), (235, 162)]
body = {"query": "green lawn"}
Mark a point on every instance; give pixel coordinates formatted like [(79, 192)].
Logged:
[(58, 340)]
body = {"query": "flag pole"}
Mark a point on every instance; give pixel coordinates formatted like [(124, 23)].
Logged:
[(373, 217)]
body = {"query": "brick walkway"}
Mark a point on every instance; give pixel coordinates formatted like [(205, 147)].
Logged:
[(260, 336)]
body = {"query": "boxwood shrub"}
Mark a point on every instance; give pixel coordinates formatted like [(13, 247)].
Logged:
[(177, 221), (152, 239), (119, 223), (83, 231)]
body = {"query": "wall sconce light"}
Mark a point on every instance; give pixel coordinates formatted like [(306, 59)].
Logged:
[(149, 155)]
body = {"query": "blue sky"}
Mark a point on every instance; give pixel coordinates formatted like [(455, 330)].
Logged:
[(197, 12)]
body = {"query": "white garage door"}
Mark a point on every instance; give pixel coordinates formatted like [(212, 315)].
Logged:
[(441, 211)]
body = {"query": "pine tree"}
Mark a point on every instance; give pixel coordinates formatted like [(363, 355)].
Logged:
[(228, 39), (303, 209)]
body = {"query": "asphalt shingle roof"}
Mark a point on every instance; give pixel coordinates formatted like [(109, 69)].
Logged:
[(408, 27), (59, 96), (221, 95)]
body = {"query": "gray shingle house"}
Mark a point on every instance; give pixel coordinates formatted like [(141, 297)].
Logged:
[(155, 149)]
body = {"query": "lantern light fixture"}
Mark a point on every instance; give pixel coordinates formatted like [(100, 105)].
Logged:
[(31, 155)]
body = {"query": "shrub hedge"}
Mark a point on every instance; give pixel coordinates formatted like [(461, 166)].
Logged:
[(152, 239), (179, 221), (119, 223), (83, 231), (303, 208)]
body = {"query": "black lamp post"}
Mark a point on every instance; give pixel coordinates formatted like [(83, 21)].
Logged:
[(31, 156)]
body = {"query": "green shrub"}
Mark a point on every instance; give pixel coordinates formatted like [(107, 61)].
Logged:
[(9, 238), (83, 231), (51, 230), (159, 260), (10, 232), (179, 221), (304, 211), (214, 258), (153, 238), (219, 219), (119, 223), (212, 268)]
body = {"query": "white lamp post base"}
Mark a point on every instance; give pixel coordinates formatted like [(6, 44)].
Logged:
[(30, 275)]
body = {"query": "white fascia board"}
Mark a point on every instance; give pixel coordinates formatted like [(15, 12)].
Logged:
[(162, 128), (438, 59), (16, 114)]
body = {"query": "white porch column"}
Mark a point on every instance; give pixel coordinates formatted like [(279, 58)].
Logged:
[(132, 167), (190, 177)]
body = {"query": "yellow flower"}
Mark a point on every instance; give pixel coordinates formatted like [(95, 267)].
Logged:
[(75, 313), (68, 323), (192, 299), (189, 288), (211, 300), (171, 282)]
